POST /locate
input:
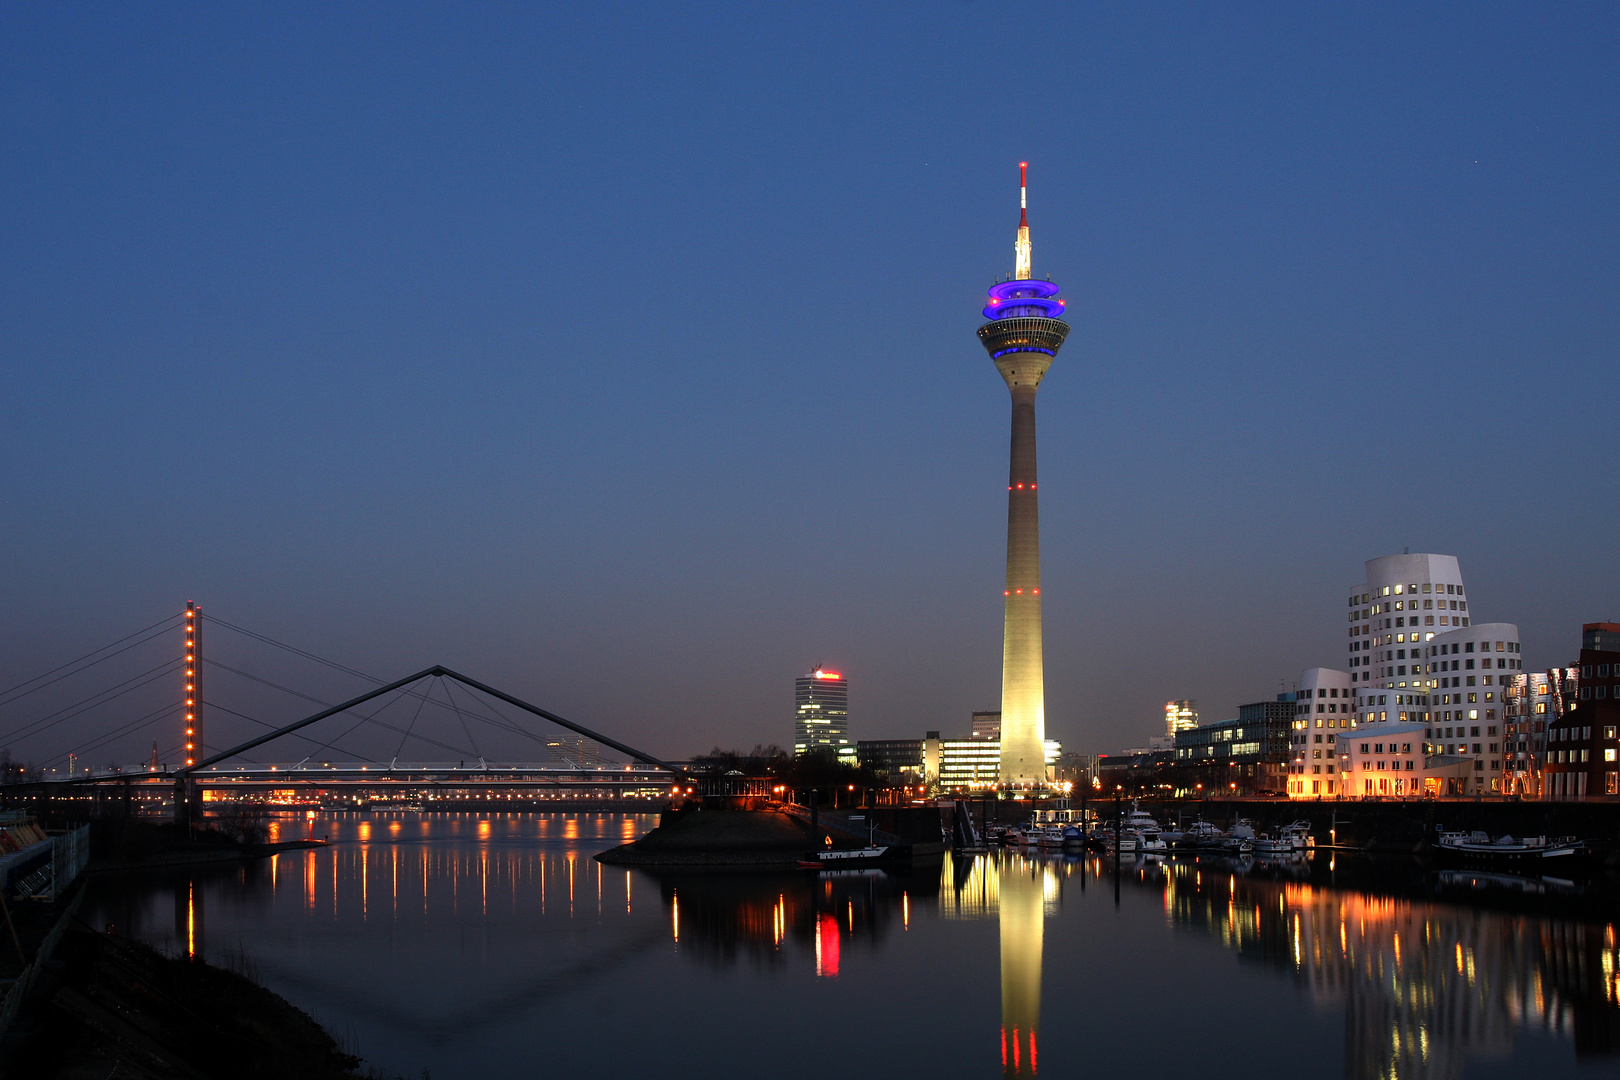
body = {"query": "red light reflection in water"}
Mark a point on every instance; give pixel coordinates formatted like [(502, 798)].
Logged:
[(827, 947), (1020, 1064)]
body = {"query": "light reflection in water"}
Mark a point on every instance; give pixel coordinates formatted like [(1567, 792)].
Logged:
[(1420, 984), (827, 947), (1424, 985)]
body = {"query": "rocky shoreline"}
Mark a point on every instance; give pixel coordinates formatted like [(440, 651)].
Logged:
[(105, 1005)]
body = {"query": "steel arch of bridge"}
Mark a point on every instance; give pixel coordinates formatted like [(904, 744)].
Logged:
[(439, 670)]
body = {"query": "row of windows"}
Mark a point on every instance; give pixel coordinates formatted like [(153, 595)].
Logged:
[(1399, 670), (1412, 636), (1332, 723), (1406, 748), (1446, 665), (1468, 646), (1449, 733), (1576, 757), (1468, 665), (1410, 605), (1574, 734), (1410, 764), (1450, 590)]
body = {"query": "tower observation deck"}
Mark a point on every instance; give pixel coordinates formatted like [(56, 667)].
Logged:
[(1022, 337)]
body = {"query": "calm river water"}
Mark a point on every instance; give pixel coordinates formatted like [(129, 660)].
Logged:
[(468, 946)]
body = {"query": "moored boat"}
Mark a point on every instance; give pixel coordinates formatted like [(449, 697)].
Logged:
[(1292, 839), (849, 858), (1201, 836), (1478, 847)]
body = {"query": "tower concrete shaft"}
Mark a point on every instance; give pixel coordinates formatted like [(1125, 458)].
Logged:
[(1023, 670), (1023, 338)]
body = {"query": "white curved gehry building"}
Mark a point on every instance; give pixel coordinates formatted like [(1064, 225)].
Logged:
[(1325, 705), (1404, 598), (1418, 659)]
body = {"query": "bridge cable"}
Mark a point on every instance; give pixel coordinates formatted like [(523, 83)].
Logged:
[(503, 722), (34, 727), (268, 724), (292, 649), (450, 695), (103, 739), (5, 699), (409, 728), (421, 699), (317, 701)]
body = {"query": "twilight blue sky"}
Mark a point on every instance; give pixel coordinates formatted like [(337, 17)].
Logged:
[(624, 356)]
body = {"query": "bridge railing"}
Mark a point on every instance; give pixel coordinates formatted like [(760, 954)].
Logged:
[(303, 768)]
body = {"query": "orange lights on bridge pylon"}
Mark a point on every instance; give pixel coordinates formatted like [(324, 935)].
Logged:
[(193, 712)]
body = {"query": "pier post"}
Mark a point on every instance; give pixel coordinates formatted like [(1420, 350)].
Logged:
[(1117, 816)]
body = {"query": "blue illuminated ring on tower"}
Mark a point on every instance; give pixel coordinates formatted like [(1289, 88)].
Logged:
[(1023, 298)]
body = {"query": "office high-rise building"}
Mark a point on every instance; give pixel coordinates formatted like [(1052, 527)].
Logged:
[(1179, 716), (821, 713), (987, 725), (1022, 337)]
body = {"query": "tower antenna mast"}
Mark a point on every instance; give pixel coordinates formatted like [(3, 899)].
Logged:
[(1022, 270)]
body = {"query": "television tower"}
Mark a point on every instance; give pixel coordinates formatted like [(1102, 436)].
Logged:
[(1022, 337)]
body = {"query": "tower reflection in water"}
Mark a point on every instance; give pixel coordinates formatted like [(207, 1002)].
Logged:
[(1017, 891)]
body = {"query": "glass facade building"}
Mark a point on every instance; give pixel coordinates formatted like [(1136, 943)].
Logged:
[(821, 713)]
